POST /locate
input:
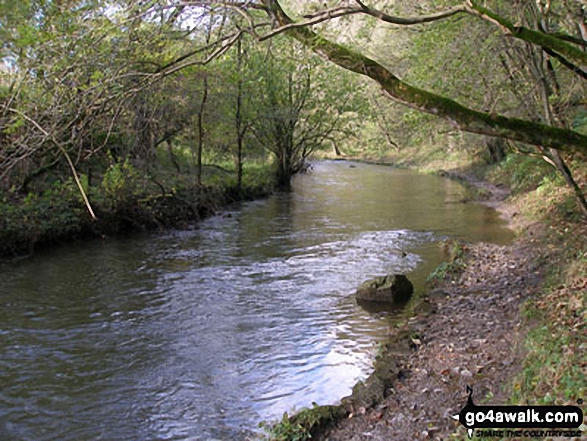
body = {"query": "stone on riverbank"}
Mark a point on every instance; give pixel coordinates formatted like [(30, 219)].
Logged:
[(386, 289)]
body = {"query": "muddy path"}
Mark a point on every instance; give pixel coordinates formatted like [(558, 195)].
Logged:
[(470, 336)]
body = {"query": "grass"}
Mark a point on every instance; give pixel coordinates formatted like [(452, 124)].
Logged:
[(287, 430), (554, 369), (522, 173), (302, 425)]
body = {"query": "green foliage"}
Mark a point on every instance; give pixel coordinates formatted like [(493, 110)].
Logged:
[(579, 123), (124, 199), (104, 81), (455, 254), (305, 105), (523, 173), (285, 430), (121, 182), (553, 369), (549, 183), (304, 424), (51, 216)]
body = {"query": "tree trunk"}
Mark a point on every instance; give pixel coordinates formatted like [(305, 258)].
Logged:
[(556, 157), (201, 133), (568, 176), (172, 157), (200, 117), (496, 149), (240, 130), (382, 124), (284, 172), (143, 146)]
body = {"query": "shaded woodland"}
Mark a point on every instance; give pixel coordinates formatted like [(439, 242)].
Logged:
[(155, 110)]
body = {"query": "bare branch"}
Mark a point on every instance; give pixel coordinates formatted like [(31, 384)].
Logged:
[(380, 15), (408, 21), (561, 44), (342, 11), (67, 157)]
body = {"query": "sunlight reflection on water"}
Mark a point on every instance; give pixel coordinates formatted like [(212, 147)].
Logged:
[(202, 334)]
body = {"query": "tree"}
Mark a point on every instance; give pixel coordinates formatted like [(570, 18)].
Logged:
[(563, 45), (301, 107), (91, 77), (555, 93), (240, 125), (459, 115), (549, 135), (504, 75), (82, 66)]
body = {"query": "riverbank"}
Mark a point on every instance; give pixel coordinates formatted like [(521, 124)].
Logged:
[(508, 321), (471, 337), (124, 200)]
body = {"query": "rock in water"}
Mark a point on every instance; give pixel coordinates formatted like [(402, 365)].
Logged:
[(386, 289)]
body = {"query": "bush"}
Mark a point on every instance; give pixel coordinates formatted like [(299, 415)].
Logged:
[(48, 217), (120, 183), (125, 199), (522, 172)]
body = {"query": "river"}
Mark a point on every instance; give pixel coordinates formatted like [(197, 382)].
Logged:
[(203, 333)]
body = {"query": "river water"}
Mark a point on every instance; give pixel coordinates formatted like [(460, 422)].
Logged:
[(202, 334)]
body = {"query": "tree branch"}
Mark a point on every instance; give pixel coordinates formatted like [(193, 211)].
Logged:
[(380, 15), (542, 39), (67, 157), (561, 44), (408, 21), (566, 63), (342, 11), (460, 116)]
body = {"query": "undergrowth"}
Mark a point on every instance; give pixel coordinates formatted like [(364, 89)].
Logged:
[(302, 425), (554, 367), (123, 199), (455, 252)]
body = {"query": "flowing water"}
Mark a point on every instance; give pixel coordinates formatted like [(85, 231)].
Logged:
[(202, 334)]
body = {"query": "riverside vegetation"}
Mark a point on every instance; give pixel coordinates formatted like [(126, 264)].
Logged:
[(509, 320), (124, 199), (118, 116)]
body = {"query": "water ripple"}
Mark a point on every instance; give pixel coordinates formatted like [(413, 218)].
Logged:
[(201, 334)]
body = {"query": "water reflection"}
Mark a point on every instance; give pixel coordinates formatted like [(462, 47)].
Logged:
[(202, 334)]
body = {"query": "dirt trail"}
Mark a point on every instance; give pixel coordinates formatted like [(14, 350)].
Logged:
[(472, 336)]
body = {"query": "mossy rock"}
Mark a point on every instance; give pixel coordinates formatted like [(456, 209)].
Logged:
[(386, 289), (367, 394)]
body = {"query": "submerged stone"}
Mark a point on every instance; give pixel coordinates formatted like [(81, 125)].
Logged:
[(386, 289)]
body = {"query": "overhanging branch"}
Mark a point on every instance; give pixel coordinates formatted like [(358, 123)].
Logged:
[(542, 39), (562, 45), (460, 116)]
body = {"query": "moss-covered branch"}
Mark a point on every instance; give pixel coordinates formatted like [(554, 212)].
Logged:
[(560, 44), (542, 39), (563, 46), (465, 119)]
